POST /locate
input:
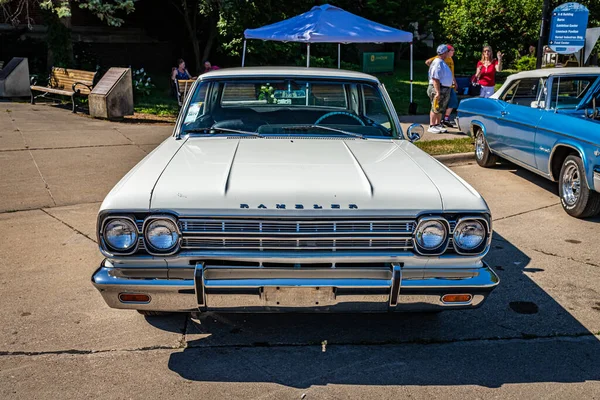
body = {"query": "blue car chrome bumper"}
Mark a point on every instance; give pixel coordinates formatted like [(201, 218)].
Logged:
[(243, 289)]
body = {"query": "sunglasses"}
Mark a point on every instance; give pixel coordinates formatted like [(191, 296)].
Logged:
[(487, 51)]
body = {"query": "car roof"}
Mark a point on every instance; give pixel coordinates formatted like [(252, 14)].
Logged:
[(545, 72), (276, 72)]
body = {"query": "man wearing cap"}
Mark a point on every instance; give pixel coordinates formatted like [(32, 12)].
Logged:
[(453, 101), (440, 83)]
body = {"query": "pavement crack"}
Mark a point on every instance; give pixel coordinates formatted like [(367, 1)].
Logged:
[(425, 342), (48, 208), (130, 141), (67, 225), (565, 258), (524, 212), (69, 147), (42, 176)]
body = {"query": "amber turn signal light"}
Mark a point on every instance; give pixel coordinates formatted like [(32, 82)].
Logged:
[(457, 298), (134, 298)]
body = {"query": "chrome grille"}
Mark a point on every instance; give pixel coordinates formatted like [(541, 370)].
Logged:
[(284, 234)]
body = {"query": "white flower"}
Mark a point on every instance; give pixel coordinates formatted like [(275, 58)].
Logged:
[(142, 70)]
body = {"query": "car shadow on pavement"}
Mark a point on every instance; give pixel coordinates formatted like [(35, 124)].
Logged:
[(529, 176), (521, 335)]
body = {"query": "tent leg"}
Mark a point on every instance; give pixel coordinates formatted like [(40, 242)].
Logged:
[(338, 56), (244, 54), (307, 55), (411, 72)]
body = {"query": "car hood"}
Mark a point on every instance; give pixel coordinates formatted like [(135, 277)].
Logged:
[(308, 175)]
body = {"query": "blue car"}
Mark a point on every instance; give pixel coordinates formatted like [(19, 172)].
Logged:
[(547, 121)]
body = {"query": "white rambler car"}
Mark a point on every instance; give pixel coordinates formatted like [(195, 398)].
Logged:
[(292, 189)]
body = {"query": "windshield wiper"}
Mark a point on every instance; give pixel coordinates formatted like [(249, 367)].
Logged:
[(326, 128), (213, 130)]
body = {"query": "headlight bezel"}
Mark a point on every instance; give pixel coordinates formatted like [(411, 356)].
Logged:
[(441, 249), (153, 250), (481, 248), (106, 246)]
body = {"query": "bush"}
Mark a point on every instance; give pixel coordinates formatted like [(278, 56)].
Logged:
[(525, 63), (142, 84)]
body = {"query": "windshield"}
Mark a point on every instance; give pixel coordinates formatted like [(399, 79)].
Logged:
[(288, 107)]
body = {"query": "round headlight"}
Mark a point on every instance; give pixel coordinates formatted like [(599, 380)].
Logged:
[(469, 235), (430, 234), (162, 234), (120, 234)]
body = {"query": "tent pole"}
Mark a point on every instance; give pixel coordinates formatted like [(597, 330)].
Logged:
[(411, 72), (244, 53), (307, 55), (338, 56)]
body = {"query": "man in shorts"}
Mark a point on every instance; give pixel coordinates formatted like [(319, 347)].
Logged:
[(440, 84), (453, 102)]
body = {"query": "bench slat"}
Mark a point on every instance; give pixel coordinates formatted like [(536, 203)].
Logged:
[(52, 90)]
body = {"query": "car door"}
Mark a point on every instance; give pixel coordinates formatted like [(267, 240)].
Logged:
[(564, 105), (519, 119)]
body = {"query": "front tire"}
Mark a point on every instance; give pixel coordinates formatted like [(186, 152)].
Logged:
[(575, 196), (483, 155)]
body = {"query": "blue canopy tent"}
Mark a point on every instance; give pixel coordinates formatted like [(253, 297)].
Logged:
[(329, 24)]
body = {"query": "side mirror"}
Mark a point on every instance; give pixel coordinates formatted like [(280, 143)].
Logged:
[(415, 132)]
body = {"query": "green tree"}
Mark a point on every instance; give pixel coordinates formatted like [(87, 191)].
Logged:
[(507, 25)]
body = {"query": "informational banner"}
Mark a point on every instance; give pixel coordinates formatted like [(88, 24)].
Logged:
[(378, 62), (567, 29)]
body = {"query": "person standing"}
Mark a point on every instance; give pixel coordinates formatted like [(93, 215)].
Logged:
[(440, 83), (453, 100), (486, 71)]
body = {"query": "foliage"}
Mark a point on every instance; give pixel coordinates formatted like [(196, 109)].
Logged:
[(507, 25), (525, 63), (106, 10), (142, 84), (267, 92)]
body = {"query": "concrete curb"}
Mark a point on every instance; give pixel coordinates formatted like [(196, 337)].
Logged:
[(453, 159)]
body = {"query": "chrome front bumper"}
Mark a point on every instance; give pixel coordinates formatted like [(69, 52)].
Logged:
[(252, 289)]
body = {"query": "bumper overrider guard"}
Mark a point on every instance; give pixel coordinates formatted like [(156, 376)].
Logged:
[(258, 289)]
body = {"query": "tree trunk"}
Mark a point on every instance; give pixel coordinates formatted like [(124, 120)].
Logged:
[(191, 25), (212, 35)]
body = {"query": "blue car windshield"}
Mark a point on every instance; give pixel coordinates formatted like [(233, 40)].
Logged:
[(288, 107)]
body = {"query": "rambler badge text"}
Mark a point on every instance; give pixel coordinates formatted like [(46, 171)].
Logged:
[(301, 206)]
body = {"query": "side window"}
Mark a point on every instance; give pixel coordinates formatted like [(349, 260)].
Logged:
[(374, 107), (523, 92), (568, 91)]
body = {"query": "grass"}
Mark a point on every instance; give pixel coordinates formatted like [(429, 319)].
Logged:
[(157, 103), (446, 146), (397, 85)]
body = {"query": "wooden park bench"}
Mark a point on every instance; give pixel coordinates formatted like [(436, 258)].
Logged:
[(66, 82), (183, 89)]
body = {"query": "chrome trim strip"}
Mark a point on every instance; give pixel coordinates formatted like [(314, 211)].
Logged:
[(523, 165)]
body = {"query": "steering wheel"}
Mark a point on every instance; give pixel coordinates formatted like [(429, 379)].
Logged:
[(345, 113)]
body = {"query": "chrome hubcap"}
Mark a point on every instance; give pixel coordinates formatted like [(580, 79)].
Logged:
[(479, 146), (571, 184)]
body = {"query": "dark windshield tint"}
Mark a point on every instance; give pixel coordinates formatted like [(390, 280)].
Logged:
[(269, 106)]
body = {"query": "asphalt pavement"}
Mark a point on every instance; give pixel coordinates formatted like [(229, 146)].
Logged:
[(538, 336)]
